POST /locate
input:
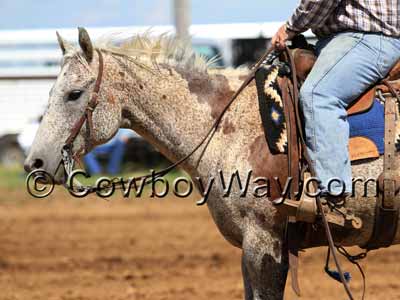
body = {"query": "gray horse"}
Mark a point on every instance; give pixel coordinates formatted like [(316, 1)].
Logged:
[(170, 96)]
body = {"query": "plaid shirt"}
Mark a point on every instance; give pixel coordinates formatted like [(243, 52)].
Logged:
[(325, 17)]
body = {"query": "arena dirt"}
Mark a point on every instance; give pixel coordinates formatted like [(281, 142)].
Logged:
[(63, 248)]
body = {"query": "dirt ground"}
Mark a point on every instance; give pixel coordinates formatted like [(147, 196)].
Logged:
[(69, 249)]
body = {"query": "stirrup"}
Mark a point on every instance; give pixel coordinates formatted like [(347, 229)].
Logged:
[(305, 210)]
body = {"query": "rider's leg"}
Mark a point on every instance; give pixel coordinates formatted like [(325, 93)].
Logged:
[(348, 63)]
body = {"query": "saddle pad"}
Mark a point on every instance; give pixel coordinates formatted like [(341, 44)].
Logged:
[(367, 129), (271, 108), (367, 132)]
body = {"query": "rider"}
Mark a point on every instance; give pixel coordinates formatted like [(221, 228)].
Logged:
[(358, 44)]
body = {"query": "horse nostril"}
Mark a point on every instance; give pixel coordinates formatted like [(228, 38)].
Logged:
[(27, 167), (34, 164), (38, 163)]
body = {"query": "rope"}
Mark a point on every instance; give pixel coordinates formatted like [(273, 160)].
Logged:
[(354, 260), (351, 258)]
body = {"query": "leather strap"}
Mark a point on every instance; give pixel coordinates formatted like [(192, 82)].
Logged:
[(87, 116), (387, 206), (293, 145), (294, 236), (389, 163)]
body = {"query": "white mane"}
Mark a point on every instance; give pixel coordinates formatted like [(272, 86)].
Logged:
[(155, 49)]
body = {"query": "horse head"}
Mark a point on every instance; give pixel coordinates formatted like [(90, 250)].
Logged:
[(68, 102)]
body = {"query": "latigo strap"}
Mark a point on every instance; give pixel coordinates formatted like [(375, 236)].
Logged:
[(387, 205)]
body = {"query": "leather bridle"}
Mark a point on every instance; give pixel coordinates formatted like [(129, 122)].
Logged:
[(87, 117), (68, 156)]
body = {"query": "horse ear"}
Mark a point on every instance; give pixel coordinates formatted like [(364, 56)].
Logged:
[(86, 44), (64, 45)]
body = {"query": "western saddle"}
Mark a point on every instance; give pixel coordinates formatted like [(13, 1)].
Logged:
[(387, 207), (307, 210)]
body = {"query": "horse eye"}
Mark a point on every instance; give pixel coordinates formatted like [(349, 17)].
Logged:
[(74, 95)]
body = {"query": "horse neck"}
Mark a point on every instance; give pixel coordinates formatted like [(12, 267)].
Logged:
[(171, 107)]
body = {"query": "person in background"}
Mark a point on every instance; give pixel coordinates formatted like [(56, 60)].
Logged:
[(115, 149)]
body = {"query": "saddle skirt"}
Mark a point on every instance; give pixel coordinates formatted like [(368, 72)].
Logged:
[(366, 119)]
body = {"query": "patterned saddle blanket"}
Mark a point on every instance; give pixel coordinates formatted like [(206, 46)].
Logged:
[(366, 128)]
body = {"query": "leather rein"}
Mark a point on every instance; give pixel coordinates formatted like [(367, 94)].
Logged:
[(68, 157)]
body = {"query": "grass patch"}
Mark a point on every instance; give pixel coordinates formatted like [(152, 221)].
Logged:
[(12, 177)]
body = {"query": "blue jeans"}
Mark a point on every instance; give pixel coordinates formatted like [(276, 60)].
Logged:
[(348, 64)]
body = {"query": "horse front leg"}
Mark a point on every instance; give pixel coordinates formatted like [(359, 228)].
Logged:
[(264, 266), (248, 290)]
